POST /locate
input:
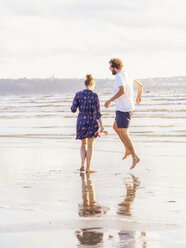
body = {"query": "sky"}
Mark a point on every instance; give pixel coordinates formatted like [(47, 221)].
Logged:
[(70, 38)]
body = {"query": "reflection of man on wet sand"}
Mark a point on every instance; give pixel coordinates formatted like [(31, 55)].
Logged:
[(89, 236), (126, 205), (128, 238)]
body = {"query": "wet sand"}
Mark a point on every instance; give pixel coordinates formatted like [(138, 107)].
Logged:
[(46, 202)]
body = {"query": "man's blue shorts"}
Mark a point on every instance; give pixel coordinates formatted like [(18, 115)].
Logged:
[(123, 119)]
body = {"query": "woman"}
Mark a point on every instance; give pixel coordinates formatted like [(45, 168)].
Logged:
[(88, 121)]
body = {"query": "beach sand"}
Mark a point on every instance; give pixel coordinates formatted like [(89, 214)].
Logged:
[(46, 202)]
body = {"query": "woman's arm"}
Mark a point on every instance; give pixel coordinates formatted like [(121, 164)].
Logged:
[(101, 125), (75, 104), (97, 112)]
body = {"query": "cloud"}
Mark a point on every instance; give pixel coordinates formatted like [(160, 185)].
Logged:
[(144, 13), (67, 30)]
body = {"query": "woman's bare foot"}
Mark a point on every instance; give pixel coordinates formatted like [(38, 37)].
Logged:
[(127, 154), (82, 168), (135, 161), (91, 171)]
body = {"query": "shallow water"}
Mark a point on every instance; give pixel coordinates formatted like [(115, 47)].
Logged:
[(43, 197), (159, 118)]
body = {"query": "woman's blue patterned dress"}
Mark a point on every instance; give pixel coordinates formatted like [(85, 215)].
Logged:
[(89, 112)]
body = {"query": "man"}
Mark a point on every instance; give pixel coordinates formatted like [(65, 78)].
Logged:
[(123, 97)]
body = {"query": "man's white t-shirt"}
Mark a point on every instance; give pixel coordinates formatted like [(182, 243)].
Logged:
[(124, 103)]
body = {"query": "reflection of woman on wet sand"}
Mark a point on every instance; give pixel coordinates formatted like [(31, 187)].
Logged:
[(89, 236), (89, 206)]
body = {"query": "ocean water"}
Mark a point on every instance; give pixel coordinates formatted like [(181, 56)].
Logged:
[(43, 197), (160, 117)]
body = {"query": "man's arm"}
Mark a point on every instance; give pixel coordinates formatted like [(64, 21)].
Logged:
[(140, 90), (120, 92)]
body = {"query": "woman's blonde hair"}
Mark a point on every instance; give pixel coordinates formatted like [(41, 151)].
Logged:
[(88, 80)]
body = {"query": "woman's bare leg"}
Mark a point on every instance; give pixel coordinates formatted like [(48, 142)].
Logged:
[(90, 152), (116, 129), (83, 153)]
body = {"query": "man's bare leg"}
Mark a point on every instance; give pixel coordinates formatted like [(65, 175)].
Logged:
[(90, 152), (116, 129), (83, 153), (124, 132)]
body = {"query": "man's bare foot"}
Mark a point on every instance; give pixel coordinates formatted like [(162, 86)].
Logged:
[(82, 168), (127, 154), (135, 161), (136, 181), (91, 171)]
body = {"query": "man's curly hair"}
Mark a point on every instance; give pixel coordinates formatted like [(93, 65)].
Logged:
[(116, 63)]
